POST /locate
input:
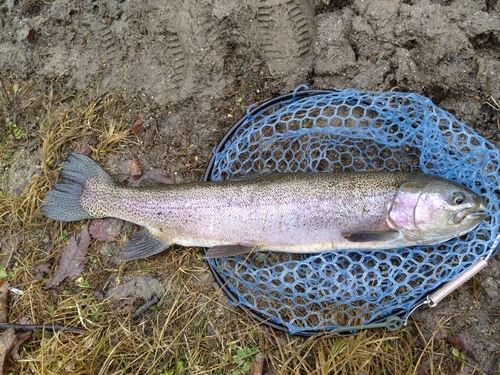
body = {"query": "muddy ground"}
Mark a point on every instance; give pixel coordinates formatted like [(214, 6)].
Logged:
[(193, 66)]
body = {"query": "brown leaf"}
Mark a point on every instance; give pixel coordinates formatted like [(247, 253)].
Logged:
[(72, 258), (136, 177), (7, 341), (42, 267), (143, 287), (257, 364), (440, 335), (84, 147), (133, 181), (20, 338), (158, 176), (40, 270), (123, 292), (154, 176), (423, 368), (137, 126), (31, 35), (105, 229), (463, 342), (130, 168), (4, 302), (9, 244), (23, 320)]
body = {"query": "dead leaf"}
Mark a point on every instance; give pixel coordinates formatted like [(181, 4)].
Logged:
[(41, 270), (440, 335), (137, 178), (9, 245), (257, 364), (158, 176), (7, 341), (4, 302), (31, 35), (42, 267), (423, 368), (20, 338), (23, 320), (123, 292), (72, 258), (150, 179), (105, 229), (143, 287), (463, 342), (130, 168), (137, 126), (84, 147)]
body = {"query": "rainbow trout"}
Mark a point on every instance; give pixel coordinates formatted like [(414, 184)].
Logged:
[(287, 212)]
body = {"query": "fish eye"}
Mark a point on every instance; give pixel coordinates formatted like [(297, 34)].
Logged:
[(458, 198)]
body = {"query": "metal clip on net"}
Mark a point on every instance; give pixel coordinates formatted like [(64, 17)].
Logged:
[(457, 282), (452, 285)]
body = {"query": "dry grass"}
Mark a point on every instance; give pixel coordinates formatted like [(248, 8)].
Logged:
[(192, 330)]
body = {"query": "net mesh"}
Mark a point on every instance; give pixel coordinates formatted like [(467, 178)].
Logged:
[(350, 130)]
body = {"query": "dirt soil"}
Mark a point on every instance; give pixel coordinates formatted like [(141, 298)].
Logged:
[(192, 67)]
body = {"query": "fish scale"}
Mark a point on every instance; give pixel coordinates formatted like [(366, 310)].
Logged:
[(263, 209)]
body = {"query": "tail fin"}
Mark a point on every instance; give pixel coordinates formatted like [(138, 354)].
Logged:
[(62, 202)]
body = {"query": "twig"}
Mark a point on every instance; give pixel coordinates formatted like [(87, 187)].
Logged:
[(34, 327), (145, 307)]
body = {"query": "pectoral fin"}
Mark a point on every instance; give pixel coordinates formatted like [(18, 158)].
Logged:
[(142, 244), (371, 236), (227, 251)]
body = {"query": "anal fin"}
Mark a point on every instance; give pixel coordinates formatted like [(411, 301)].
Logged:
[(142, 244), (227, 251), (372, 236)]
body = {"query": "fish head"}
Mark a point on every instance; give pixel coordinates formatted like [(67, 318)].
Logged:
[(431, 210)]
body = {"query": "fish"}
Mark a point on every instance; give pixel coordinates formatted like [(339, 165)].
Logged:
[(283, 212)]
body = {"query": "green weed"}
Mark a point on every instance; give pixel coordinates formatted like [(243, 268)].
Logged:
[(15, 130)]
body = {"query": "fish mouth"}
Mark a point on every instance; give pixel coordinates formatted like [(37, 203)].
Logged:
[(466, 215), (478, 214)]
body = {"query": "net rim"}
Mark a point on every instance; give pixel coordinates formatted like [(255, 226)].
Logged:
[(224, 282)]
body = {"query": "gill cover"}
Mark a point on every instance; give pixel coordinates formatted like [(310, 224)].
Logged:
[(435, 209), (402, 210)]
